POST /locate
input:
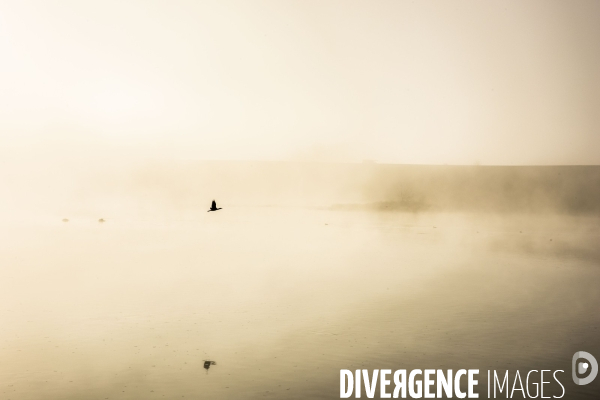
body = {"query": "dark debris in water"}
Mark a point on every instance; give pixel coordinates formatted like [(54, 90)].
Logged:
[(207, 364)]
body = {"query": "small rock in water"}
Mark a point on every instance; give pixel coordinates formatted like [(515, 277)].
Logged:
[(207, 364)]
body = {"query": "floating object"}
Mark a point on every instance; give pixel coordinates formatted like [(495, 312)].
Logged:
[(207, 364), (65, 220), (213, 206), (101, 220)]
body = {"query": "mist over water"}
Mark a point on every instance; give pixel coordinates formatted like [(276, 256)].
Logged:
[(116, 283), (308, 269)]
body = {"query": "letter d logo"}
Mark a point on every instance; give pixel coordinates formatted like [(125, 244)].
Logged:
[(583, 367)]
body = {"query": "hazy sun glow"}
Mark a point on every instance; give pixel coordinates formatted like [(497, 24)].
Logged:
[(455, 82)]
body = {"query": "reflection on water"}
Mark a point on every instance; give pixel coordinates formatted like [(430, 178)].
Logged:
[(283, 298)]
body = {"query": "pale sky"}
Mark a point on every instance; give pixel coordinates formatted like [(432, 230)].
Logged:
[(423, 82)]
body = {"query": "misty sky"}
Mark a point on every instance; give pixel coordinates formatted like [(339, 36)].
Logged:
[(457, 82)]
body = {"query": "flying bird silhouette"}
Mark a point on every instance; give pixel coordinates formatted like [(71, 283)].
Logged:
[(213, 206)]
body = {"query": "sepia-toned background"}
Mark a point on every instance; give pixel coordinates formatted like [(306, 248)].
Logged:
[(403, 185)]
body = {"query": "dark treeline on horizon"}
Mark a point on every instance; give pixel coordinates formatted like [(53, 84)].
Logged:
[(415, 188), (182, 186)]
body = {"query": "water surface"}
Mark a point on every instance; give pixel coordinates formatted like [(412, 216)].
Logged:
[(282, 298)]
